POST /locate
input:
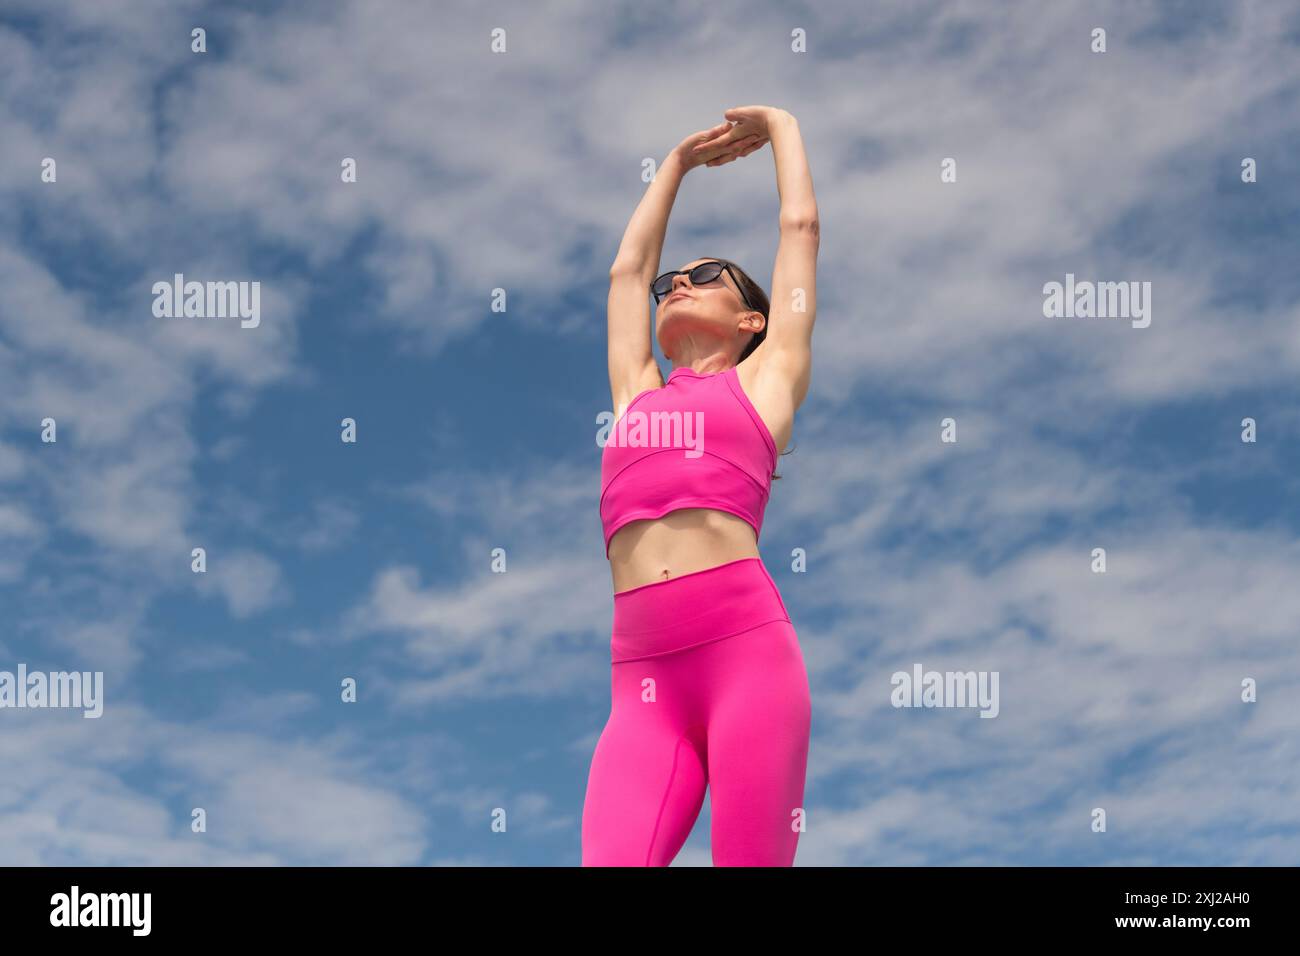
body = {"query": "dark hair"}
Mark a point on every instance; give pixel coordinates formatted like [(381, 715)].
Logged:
[(757, 299), (758, 302)]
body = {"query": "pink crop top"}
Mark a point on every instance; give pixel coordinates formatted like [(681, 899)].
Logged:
[(697, 442)]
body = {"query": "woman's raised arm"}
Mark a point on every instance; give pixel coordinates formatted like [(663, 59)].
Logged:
[(784, 359), (632, 368)]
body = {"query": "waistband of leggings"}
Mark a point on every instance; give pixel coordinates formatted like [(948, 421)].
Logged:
[(694, 608)]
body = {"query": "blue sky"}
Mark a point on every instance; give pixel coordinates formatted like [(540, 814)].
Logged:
[(476, 429)]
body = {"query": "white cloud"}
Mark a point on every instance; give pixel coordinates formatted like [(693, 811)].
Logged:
[(250, 582), (267, 802)]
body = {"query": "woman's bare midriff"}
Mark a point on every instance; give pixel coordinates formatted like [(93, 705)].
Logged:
[(682, 541)]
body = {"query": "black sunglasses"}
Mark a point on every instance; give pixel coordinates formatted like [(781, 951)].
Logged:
[(704, 273)]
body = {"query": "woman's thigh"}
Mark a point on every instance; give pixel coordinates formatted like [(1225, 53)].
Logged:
[(759, 722), (647, 779)]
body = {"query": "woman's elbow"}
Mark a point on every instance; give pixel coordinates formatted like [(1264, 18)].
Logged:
[(803, 221)]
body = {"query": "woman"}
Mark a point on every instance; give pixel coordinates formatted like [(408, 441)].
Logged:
[(709, 687)]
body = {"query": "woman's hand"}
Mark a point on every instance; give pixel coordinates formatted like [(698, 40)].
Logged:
[(716, 146), (746, 130)]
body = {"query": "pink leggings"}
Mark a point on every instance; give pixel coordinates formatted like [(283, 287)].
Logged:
[(708, 690)]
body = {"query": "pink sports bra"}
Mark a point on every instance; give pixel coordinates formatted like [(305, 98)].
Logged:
[(697, 442)]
